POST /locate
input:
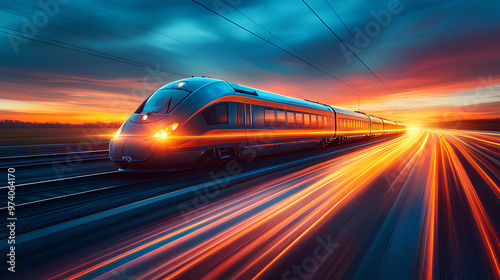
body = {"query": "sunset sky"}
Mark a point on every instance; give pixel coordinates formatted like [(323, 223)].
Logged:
[(438, 60)]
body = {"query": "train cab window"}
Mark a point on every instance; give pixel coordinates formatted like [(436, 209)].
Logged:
[(269, 117), (320, 121), (290, 119), (239, 114), (281, 118), (248, 114), (314, 120), (164, 100), (307, 120), (299, 120), (216, 114)]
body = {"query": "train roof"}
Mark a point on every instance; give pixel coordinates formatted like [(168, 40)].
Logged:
[(262, 94), (193, 84), (350, 113)]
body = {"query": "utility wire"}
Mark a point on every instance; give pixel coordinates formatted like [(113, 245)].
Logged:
[(87, 51), (354, 38), (154, 46), (306, 62), (185, 43), (284, 42), (314, 66), (340, 39), (113, 43)]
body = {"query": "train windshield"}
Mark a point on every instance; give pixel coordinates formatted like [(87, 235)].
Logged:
[(164, 100)]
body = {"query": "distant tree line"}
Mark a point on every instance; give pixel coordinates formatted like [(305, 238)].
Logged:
[(22, 124), (478, 124)]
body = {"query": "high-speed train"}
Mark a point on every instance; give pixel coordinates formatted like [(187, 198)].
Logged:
[(202, 122)]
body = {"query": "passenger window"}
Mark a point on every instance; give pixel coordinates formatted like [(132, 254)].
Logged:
[(239, 114), (281, 118), (269, 117), (320, 121), (314, 120), (300, 120), (216, 114), (290, 119), (248, 114), (307, 120)]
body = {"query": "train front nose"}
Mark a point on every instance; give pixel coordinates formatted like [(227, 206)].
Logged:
[(130, 151), (133, 146)]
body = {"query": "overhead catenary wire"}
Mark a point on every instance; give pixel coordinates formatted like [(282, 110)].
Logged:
[(293, 55), (116, 44), (284, 42), (355, 40), (85, 50), (185, 43), (355, 55), (264, 39), (132, 62), (154, 46)]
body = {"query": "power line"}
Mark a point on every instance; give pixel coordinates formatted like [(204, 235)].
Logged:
[(354, 38), (133, 39), (148, 44), (182, 42), (284, 42), (340, 39), (87, 51), (274, 35), (314, 66), (306, 62)]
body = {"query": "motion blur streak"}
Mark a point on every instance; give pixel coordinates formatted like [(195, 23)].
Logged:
[(404, 208), (489, 238)]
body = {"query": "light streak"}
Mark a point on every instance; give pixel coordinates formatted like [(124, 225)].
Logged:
[(251, 233)]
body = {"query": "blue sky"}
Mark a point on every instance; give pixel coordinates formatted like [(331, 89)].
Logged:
[(443, 51)]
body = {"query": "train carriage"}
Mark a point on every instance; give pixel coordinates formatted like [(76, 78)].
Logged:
[(351, 124), (377, 126)]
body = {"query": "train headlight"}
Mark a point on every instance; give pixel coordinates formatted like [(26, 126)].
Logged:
[(119, 130), (164, 133), (144, 117)]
